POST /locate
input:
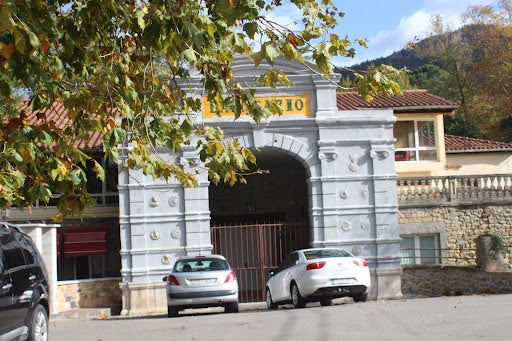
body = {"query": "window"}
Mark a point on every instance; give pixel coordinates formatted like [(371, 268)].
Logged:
[(420, 249), (289, 261), (415, 141), (83, 253), (327, 253), (104, 192), (203, 264), (84, 267), (26, 248), (13, 254)]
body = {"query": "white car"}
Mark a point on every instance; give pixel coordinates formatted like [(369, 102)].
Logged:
[(318, 275), (200, 282)]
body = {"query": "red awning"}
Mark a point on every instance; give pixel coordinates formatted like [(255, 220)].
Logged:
[(82, 241)]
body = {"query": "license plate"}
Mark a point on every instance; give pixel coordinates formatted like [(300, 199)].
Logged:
[(202, 281), (338, 281)]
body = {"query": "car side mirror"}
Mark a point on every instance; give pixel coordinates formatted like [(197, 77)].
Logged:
[(164, 279)]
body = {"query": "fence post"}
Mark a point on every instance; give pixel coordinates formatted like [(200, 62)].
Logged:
[(452, 188)]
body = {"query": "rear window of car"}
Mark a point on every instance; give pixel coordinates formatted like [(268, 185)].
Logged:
[(314, 254), (203, 264)]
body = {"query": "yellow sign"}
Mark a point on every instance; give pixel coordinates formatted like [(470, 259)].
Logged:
[(292, 105)]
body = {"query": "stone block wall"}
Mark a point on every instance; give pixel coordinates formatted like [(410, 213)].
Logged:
[(459, 228), (435, 281), (96, 293)]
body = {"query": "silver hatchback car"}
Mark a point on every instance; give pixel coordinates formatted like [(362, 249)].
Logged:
[(201, 282)]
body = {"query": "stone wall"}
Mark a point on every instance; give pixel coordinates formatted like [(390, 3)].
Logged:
[(94, 293), (432, 281), (459, 228)]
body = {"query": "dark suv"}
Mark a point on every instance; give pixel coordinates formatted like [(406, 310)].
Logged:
[(24, 291)]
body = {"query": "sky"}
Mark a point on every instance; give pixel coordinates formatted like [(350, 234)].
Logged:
[(389, 25)]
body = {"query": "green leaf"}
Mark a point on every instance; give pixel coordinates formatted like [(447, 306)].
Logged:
[(323, 64), (186, 126), (140, 19), (271, 52), (100, 172), (190, 55), (258, 57), (77, 176), (34, 40), (6, 22), (41, 192), (251, 28), (19, 40)]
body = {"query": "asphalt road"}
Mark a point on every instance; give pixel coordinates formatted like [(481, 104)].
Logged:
[(442, 318)]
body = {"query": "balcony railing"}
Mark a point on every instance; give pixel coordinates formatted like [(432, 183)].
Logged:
[(455, 190)]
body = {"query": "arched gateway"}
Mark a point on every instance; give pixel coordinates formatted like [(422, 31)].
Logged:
[(351, 186)]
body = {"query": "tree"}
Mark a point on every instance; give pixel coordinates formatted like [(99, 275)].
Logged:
[(476, 59), (114, 64), (440, 82), (491, 75), (449, 51)]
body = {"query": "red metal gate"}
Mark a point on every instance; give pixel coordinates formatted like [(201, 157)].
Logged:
[(254, 248)]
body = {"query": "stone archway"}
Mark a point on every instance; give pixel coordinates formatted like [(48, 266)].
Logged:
[(255, 225), (277, 194), (350, 181)]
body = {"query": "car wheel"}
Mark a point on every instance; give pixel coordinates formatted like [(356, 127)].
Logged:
[(297, 300), (231, 307), (172, 311), (325, 302), (270, 303), (361, 298), (38, 324)]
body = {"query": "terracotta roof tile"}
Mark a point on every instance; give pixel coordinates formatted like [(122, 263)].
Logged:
[(59, 116), (411, 101), (458, 144)]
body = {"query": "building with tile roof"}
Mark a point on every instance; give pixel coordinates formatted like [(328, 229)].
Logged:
[(455, 155), (418, 130), (471, 156), (333, 161)]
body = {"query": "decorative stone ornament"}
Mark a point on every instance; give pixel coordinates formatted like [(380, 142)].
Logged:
[(154, 235), (353, 167), (364, 192), (379, 153), (365, 225), (329, 156), (346, 226), (357, 250), (189, 161), (176, 233), (344, 194), (166, 259), (153, 202), (173, 201)]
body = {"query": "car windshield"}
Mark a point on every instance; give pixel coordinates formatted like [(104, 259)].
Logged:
[(327, 253), (202, 264)]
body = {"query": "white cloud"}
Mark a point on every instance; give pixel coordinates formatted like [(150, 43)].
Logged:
[(415, 26), (384, 43), (288, 16)]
